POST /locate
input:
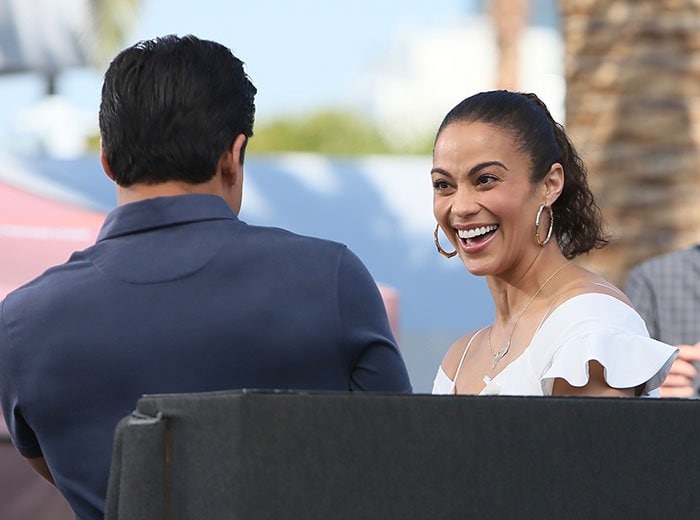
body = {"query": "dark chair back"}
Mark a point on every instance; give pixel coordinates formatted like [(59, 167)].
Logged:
[(256, 455)]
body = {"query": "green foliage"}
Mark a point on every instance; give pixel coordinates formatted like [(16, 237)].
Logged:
[(111, 23), (330, 132), (93, 142)]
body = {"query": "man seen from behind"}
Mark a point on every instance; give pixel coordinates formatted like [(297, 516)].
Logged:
[(177, 294)]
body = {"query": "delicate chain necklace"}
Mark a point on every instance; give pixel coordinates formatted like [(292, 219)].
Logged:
[(501, 352)]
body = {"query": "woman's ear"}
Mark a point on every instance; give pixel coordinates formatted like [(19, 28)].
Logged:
[(553, 183)]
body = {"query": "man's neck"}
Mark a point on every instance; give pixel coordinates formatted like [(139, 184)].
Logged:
[(139, 192)]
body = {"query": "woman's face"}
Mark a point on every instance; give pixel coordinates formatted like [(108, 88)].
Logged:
[(483, 198)]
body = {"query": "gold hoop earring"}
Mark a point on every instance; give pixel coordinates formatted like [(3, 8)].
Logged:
[(437, 244), (539, 241)]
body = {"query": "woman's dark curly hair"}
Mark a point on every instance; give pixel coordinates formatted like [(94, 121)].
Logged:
[(577, 219)]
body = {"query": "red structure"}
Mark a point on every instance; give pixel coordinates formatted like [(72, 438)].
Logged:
[(36, 233)]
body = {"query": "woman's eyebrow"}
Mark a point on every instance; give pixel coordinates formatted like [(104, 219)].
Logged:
[(486, 164), (475, 169), (440, 171)]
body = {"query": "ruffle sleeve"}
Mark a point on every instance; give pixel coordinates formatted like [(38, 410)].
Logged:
[(629, 360)]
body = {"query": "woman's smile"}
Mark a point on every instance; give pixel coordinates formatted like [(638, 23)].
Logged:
[(474, 239)]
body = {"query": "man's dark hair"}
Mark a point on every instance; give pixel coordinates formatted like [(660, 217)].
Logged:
[(171, 107)]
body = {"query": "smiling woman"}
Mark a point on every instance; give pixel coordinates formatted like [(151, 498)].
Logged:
[(511, 195)]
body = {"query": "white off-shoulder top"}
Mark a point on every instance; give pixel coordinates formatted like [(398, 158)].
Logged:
[(592, 326)]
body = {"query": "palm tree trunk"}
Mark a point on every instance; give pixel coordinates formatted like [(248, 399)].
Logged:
[(509, 18), (633, 85)]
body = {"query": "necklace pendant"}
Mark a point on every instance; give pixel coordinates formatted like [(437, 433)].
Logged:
[(498, 355)]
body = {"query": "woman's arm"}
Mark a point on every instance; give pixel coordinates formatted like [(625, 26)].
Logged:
[(596, 386)]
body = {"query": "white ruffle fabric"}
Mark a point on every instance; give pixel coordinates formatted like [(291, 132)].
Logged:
[(628, 360), (592, 326)]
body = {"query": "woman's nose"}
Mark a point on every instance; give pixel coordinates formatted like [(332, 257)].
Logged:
[(464, 203)]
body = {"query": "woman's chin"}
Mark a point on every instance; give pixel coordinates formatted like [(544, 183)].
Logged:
[(477, 269)]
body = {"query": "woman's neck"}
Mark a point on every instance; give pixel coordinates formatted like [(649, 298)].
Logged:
[(517, 289)]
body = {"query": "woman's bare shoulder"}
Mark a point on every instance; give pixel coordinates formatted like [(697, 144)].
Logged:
[(454, 355), (587, 282)]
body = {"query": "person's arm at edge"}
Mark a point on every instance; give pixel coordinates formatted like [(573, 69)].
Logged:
[(379, 366), (680, 381), (37, 462)]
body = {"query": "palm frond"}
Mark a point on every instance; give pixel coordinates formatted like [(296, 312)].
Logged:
[(111, 22)]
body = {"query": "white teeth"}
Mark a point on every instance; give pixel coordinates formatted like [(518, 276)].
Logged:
[(463, 233)]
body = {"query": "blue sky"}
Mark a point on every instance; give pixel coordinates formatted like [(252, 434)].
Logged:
[(300, 54)]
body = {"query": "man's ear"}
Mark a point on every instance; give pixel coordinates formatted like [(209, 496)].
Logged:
[(238, 148), (105, 164), (553, 183), (232, 160)]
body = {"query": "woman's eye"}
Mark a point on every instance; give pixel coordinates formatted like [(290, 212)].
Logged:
[(440, 184), (485, 179)]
